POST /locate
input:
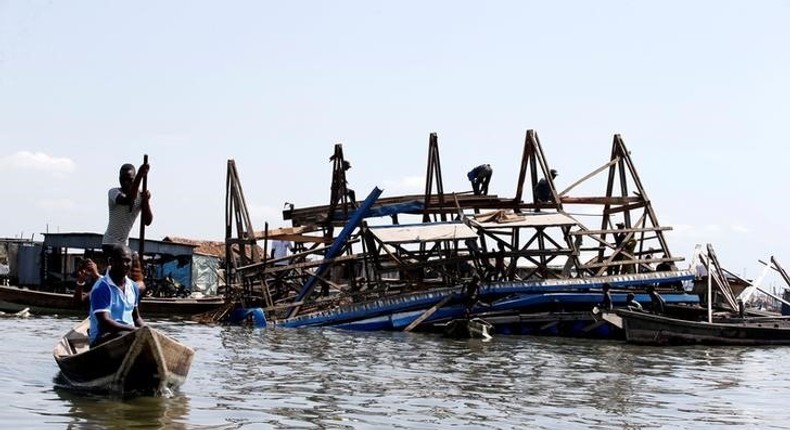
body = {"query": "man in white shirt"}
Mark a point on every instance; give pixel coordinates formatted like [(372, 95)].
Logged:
[(125, 203), (280, 249)]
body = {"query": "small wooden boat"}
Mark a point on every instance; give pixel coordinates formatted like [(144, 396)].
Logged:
[(649, 329), (15, 299), (144, 361)]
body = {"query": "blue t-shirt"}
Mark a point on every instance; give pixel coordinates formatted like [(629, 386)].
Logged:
[(107, 297)]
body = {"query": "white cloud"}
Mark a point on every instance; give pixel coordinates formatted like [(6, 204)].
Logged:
[(740, 229), (24, 160)]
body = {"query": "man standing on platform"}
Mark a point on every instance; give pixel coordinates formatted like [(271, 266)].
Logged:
[(480, 176), (125, 204)]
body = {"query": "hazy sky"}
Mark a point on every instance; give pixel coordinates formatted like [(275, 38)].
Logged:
[(700, 92)]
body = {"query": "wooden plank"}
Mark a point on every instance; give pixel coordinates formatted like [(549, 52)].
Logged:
[(625, 208), (589, 175), (430, 311), (781, 270), (632, 261), (600, 200), (619, 230)]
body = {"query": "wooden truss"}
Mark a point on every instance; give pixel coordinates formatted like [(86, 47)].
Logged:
[(624, 197), (512, 239)]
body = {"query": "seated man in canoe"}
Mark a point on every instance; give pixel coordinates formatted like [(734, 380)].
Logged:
[(114, 299)]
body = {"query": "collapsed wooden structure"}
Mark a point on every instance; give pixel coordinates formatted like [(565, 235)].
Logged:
[(458, 237)]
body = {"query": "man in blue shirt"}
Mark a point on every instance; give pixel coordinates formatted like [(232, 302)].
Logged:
[(114, 299)]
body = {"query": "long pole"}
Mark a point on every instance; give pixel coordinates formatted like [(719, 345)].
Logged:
[(710, 291), (141, 252)]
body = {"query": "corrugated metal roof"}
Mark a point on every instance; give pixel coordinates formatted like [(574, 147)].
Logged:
[(88, 240), (423, 232)]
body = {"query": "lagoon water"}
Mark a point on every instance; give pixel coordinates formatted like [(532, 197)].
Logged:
[(244, 378)]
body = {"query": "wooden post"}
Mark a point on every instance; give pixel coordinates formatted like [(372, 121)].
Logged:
[(710, 290)]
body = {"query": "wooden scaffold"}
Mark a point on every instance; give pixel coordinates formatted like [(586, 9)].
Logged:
[(456, 237)]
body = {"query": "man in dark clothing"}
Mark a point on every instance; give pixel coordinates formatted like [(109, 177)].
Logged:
[(543, 190), (471, 295), (630, 301), (607, 297), (657, 303), (667, 266), (664, 266), (499, 263), (619, 237), (480, 176)]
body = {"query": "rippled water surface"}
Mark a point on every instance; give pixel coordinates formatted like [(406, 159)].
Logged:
[(326, 379)]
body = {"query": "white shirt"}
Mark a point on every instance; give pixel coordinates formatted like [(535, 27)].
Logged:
[(280, 249)]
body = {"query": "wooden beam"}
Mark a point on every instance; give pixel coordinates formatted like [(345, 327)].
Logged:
[(619, 230), (430, 311), (600, 200), (588, 176)]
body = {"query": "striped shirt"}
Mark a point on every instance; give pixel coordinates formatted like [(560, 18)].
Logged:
[(121, 218)]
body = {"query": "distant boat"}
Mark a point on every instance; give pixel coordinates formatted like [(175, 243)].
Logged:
[(649, 329), (144, 361), (46, 275), (15, 299)]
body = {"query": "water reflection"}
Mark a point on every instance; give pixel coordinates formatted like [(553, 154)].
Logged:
[(100, 412), (318, 378)]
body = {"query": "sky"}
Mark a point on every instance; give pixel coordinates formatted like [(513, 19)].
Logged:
[(699, 91)]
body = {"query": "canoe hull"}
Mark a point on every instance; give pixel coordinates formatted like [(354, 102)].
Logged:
[(145, 361), (648, 329)]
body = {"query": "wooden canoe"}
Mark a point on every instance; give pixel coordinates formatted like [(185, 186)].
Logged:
[(14, 299), (145, 361), (650, 329)]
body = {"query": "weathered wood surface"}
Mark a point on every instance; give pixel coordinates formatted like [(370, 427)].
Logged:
[(425, 315)]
